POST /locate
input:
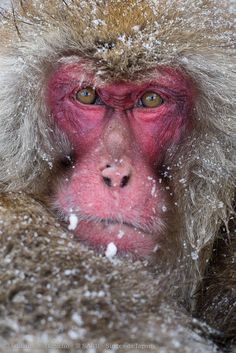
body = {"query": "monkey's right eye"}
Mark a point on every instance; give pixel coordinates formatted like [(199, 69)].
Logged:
[(86, 95)]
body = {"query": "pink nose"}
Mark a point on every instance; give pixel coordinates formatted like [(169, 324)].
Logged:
[(116, 175)]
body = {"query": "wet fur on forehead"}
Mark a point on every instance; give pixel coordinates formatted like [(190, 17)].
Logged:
[(103, 76), (123, 36)]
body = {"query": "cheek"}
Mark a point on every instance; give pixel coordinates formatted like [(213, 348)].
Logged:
[(155, 133), (82, 126)]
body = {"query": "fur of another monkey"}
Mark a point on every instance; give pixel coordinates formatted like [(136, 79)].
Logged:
[(124, 40)]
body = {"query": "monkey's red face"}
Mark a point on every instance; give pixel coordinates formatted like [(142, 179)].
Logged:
[(120, 133)]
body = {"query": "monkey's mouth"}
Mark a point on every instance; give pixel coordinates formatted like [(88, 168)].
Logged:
[(110, 221), (128, 238)]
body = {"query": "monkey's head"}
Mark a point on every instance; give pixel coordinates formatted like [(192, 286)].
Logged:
[(139, 97), (120, 132)]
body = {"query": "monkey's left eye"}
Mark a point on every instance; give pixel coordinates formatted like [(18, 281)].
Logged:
[(151, 100), (86, 95)]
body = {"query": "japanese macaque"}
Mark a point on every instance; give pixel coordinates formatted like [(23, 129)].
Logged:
[(120, 118)]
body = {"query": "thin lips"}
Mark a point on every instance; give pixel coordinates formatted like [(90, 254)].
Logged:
[(107, 221)]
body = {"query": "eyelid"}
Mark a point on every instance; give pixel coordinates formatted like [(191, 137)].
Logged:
[(82, 86), (137, 100)]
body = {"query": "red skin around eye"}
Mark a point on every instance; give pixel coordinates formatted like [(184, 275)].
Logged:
[(118, 138), (152, 128)]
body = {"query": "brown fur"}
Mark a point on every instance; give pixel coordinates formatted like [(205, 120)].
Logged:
[(123, 40), (48, 279)]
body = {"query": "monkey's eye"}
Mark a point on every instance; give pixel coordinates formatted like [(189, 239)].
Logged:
[(86, 95), (150, 100)]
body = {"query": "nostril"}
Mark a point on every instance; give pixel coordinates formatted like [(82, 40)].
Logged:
[(124, 181), (107, 181)]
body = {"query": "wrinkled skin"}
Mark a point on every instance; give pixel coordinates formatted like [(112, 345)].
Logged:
[(115, 188)]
